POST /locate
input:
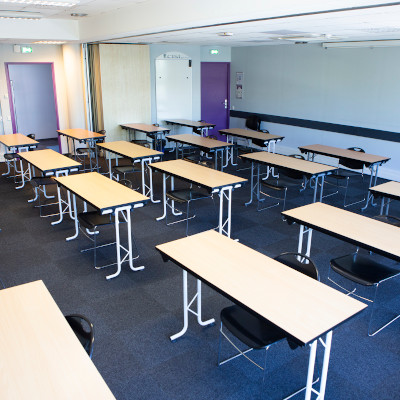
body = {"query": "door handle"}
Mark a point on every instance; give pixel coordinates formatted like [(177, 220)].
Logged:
[(225, 103)]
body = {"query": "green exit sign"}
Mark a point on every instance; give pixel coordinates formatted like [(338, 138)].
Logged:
[(214, 52), (26, 49)]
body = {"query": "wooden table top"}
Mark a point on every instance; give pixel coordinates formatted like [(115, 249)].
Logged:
[(80, 134), (41, 358), (101, 192), (368, 233), (301, 306), (129, 150), (49, 160), (309, 168), (189, 123), (388, 189), (199, 141), (17, 140), (145, 128), (337, 152), (250, 134), (198, 174)]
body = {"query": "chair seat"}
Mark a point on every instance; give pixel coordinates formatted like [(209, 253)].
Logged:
[(185, 195), (280, 184), (198, 159), (42, 181), (344, 174), (10, 156), (125, 169), (253, 331), (91, 219), (362, 269), (141, 142)]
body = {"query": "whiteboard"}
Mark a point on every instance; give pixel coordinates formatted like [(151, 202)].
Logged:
[(174, 91)]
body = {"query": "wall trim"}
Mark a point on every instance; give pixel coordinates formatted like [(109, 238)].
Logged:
[(323, 126)]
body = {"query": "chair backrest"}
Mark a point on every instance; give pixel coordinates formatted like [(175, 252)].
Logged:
[(300, 263), (253, 122), (352, 164), (102, 132), (294, 174), (31, 136), (83, 330), (156, 124)]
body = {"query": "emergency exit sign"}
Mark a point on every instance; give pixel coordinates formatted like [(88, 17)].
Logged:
[(26, 49)]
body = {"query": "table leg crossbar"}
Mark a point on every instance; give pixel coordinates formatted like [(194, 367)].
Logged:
[(224, 226), (147, 189), (305, 231), (372, 182), (24, 174)]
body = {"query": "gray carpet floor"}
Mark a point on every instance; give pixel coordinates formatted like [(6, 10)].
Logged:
[(135, 313)]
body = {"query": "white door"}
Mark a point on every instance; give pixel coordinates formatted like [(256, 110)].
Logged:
[(33, 99), (174, 90)]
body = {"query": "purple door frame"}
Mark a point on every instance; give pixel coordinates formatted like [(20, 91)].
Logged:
[(215, 88), (10, 98)]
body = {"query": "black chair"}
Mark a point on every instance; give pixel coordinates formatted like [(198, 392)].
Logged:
[(39, 184), (286, 179), (125, 169), (355, 170), (184, 196), (198, 157), (254, 331), (90, 221), (83, 330), (253, 122), (12, 158), (89, 151), (363, 270), (388, 219)]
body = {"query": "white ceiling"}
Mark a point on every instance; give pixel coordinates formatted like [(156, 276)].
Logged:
[(376, 22)]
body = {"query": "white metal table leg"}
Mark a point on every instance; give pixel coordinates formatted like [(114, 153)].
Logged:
[(251, 185), (372, 182), (164, 198), (75, 218), (304, 231), (147, 190), (224, 227), (185, 309)]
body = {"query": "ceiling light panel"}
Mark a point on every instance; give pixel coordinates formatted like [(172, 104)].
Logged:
[(42, 3), (19, 15)]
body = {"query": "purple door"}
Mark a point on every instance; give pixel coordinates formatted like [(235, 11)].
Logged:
[(215, 77)]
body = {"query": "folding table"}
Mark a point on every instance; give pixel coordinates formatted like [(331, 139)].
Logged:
[(304, 308)]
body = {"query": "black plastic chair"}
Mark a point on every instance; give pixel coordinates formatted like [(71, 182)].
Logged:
[(89, 151), (90, 221), (254, 331), (365, 271), (184, 196), (286, 179), (83, 330), (355, 169)]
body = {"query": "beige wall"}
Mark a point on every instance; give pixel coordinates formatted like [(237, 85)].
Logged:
[(125, 81)]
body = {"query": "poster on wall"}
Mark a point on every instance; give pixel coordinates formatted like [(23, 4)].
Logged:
[(239, 85)]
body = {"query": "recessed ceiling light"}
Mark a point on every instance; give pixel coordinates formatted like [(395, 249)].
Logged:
[(78, 15), (42, 2), (225, 33), (19, 15), (49, 42)]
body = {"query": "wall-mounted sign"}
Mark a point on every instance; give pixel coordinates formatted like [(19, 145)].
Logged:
[(239, 85), (214, 52), (26, 49)]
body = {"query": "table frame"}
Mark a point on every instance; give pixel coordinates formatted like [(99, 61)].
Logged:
[(156, 133), (91, 141), (270, 142), (372, 166), (323, 338), (14, 148), (147, 188), (195, 125), (255, 187), (181, 141), (121, 213)]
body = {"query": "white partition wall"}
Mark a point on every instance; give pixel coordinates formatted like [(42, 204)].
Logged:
[(174, 88)]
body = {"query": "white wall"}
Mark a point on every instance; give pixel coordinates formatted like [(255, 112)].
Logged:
[(359, 87)]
